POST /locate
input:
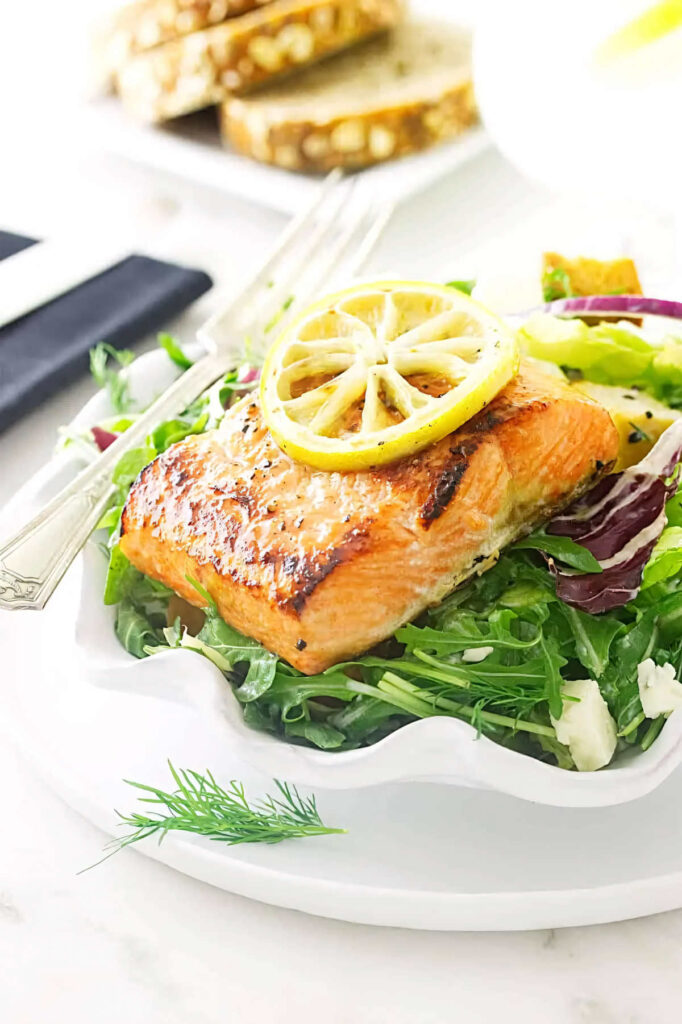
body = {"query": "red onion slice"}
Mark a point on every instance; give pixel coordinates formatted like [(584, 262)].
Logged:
[(103, 438), (249, 375), (614, 305)]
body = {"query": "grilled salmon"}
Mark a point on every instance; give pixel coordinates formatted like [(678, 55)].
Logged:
[(320, 566)]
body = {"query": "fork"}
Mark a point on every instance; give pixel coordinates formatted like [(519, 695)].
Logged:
[(330, 239)]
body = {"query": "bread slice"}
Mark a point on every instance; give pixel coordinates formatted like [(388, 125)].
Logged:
[(237, 55), (141, 25), (394, 95)]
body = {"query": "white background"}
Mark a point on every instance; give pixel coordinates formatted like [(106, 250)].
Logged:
[(132, 941)]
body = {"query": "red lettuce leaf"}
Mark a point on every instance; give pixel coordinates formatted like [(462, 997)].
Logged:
[(618, 521)]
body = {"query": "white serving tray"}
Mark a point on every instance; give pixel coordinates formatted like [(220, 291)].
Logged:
[(190, 148)]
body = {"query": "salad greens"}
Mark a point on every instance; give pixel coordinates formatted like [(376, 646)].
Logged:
[(534, 642), (174, 351), (556, 284), (106, 376), (608, 354), (495, 653), (463, 286)]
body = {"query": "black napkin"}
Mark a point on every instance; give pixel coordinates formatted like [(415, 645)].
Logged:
[(48, 347)]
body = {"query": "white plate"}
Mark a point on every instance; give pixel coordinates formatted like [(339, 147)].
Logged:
[(190, 147), (416, 855)]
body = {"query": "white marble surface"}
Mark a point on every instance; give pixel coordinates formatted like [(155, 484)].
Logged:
[(133, 941)]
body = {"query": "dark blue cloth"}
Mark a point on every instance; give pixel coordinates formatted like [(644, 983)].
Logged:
[(48, 348)]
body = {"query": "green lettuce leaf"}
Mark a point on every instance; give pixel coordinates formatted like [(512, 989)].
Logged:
[(666, 558), (607, 354), (174, 351)]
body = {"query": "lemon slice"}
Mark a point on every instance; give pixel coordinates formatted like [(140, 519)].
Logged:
[(382, 370)]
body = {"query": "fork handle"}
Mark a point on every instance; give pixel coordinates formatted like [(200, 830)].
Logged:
[(34, 560)]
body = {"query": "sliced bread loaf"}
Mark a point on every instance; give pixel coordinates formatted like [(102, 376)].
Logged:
[(143, 24), (237, 55), (393, 95)]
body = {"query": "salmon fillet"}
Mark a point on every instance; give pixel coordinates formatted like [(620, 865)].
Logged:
[(321, 566)]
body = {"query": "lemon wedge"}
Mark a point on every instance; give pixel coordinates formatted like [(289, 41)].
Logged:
[(657, 21), (639, 418), (380, 371)]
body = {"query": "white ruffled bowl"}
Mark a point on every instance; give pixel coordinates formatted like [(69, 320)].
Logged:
[(445, 750)]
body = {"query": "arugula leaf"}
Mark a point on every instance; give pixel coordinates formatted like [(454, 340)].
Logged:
[(133, 629), (593, 636), (553, 662), (563, 548), (227, 648), (364, 720), (320, 734), (526, 595), (669, 620), (172, 348), (618, 683), (238, 650), (110, 379), (289, 691), (465, 631), (228, 388), (559, 752)]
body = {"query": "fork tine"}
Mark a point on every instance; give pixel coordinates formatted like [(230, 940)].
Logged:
[(296, 229), (289, 270), (347, 255), (381, 217), (334, 234)]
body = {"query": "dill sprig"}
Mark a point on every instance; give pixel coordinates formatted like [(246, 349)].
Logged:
[(200, 805)]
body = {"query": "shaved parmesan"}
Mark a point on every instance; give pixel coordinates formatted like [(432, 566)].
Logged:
[(585, 726), (476, 654), (659, 690)]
